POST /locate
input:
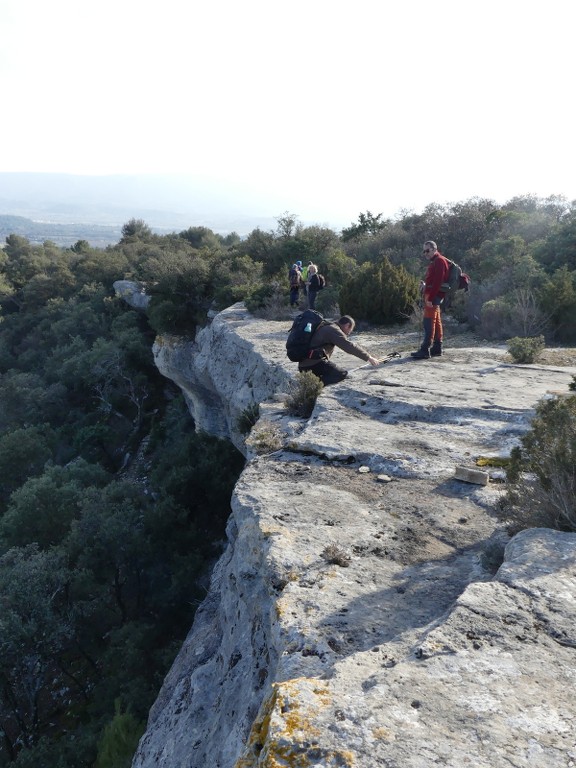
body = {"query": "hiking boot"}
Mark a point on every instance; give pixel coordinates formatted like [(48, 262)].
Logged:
[(422, 354), (436, 349)]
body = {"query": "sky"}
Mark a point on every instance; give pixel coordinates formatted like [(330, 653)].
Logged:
[(320, 108)]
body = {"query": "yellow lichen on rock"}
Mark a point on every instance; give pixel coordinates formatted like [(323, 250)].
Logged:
[(284, 734)]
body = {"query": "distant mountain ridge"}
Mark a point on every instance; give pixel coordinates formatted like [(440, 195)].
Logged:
[(165, 202)]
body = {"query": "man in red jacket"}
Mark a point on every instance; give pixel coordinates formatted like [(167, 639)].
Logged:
[(433, 296)]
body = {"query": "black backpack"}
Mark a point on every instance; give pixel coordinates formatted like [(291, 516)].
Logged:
[(300, 335), (321, 282), (456, 280)]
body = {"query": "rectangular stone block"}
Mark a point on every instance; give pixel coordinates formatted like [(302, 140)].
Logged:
[(472, 475)]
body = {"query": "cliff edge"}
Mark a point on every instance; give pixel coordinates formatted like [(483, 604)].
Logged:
[(361, 614)]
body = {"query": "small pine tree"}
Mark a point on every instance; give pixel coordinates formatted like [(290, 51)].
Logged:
[(119, 740)]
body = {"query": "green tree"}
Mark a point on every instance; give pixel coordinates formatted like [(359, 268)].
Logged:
[(119, 740), (559, 248), (35, 631), (201, 237), (381, 294), (557, 299), (368, 225), (23, 454), (43, 508), (25, 399), (136, 229), (106, 539)]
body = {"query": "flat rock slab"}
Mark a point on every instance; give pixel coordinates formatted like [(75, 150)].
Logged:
[(487, 686), (441, 413)]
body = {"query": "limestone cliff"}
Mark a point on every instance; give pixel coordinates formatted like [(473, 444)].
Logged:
[(355, 618), (225, 369)]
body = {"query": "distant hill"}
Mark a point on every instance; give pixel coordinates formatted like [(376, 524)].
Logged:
[(64, 235), (65, 208)]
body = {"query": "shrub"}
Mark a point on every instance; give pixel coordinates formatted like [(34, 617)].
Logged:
[(248, 418), (264, 296), (379, 293), (173, 315), (334, 555), (494, 316), (119, 740), (514, 314), (266, 437), (327, 302), (303, 393), (525, 350), (542, 471), (269, 302)]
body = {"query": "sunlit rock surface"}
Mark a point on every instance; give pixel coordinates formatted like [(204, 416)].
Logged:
[(360, 615), (133, 293)]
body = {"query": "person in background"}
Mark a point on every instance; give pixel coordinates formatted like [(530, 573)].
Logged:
[(295, 279), (313, 285), (325, 339), (433, 296)]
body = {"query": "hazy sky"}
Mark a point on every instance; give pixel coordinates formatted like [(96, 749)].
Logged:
[(327, 108)]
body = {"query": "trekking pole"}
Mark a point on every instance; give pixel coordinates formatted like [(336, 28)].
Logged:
[(391, 356)]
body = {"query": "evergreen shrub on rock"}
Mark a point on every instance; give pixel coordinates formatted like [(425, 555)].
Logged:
[(525, 350), (542, 472), (379, 293), (303, 394)]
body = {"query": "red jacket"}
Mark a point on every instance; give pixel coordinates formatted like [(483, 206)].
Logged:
[(436, 274)]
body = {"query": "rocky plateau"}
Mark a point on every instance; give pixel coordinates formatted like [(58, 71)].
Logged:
[(370, 609)]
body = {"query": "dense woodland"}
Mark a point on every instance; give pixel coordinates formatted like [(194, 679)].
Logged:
[(112, 507)]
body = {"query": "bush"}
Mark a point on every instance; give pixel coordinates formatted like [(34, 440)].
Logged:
[(494, 316), (263, 296), (334, 555), (379, 293), (269, 302), (327, 302), (119, 740), (542, 471), (174, 316), (248, 418), (514, 314), (303, 393), (265, 437), (525, 350)]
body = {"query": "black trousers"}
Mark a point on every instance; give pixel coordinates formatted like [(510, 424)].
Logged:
[(327, 372)]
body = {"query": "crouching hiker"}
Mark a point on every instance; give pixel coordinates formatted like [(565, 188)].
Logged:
[(325, 338)]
